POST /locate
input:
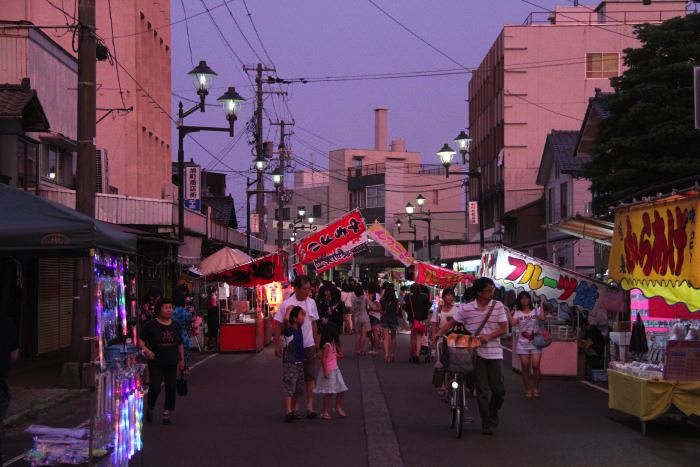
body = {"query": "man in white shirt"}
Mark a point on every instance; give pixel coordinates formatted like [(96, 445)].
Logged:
[(301, 297), (488, 370)]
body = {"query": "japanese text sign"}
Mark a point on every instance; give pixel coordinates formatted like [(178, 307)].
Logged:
[(653, 249), (341, 255), (380, 235), (271, 268), (192, 188), (430, 274), (516, 271), (348, 228)]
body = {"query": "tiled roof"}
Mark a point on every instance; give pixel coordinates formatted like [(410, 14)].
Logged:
[(223, 210), (563, 144), (18, 101)]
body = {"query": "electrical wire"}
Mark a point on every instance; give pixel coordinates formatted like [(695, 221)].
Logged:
[(245, 38), (187, 30), (252, 23), (414, 34), (540, 106), (113, 52)]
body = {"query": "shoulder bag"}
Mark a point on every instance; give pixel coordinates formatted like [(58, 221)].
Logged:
[(418, 326), (543, 338), (461, 359)]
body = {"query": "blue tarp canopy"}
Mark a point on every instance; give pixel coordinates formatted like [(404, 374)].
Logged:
[(30, 224)]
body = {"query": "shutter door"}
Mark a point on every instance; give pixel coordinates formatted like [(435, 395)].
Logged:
[(55, 308), (48, 308), (65, 315)]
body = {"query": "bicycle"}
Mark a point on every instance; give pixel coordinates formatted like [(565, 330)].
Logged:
[(458, 402)]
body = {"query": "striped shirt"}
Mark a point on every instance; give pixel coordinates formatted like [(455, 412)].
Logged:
[(471, 315)]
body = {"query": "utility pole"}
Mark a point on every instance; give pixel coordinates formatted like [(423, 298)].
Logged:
[(280, 191), (259, 151), (85, 184)]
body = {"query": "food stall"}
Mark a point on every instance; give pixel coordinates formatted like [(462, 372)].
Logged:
[(243, 329), (566, 296), (653, 257)]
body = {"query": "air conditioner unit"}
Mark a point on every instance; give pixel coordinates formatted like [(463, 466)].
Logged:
[(102, 171)]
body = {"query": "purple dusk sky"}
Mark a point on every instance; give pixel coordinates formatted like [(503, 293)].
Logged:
[(314, 38)]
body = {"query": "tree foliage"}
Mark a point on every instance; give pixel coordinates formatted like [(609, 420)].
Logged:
[(649, 138)]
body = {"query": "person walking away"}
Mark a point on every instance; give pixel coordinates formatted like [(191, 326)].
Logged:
[(183, 317), (9, 352), (486, 319), (525, 322), (389, 321), (212, 321), (161, 343), (330, 379), (346, 297), (375, 315), (293, 361), (301, 298), (360, 313), (417, 308)]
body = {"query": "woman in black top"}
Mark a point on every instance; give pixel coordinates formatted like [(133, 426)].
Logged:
[(417, 308), (161, 342), (389, 321)]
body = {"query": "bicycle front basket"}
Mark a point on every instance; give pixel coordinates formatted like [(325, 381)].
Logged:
[(460, 360)]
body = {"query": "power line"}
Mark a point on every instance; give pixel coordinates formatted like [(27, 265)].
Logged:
[(540, 106), (114, 52), (414, 34), (252, 23), (215, 7), (238, 26), (187, 29)]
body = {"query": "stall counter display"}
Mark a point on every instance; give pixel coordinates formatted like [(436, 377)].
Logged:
[(559, 359), (648, 399), (244, 335)]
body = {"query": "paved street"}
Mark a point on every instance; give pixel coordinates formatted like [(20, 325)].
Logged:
[(233, 416)]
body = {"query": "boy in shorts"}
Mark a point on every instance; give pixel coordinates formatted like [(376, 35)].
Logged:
[(293, 361)]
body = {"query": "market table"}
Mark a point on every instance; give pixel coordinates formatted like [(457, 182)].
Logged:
[(649, 399)]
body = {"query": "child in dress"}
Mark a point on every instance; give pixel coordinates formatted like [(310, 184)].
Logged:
[(293, 361), (330, 380)]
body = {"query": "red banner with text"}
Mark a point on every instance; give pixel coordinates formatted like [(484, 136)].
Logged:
[(429, 274), (349, 228), (271, 268)]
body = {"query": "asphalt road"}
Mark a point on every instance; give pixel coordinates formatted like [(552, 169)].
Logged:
[(234, 416)]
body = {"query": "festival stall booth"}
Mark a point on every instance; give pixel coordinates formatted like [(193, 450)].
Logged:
[(566, 294), (654, 257), (44, 229), (242, 329)]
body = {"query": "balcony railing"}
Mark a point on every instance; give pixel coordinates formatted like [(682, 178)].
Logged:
[(594, 17), (418, 169)]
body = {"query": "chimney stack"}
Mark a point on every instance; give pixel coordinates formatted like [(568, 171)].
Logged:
[(381, 137)]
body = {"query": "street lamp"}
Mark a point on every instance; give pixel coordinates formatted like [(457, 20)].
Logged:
[(409, 209), (446, 155), (277, 177), (301, 210), (420, 201), (260, 163), (203, 76), (464, 143), (311, 220)]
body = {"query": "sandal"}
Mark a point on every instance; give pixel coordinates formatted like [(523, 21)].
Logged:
[(528, 394), (536, 393), (297, 415), (325, 416), (340, 412)]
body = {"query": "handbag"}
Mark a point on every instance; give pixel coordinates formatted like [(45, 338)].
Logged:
[(418, 326), (181, 386), (542, 339), (463, 360)]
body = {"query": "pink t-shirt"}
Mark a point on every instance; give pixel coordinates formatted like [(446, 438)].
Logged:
[(331, 358)]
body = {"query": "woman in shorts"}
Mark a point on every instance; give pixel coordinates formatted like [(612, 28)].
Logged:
[(389, 321), (360, 308), (525, 321)]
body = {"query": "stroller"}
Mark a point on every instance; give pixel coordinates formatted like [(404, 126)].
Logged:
[(426, 352)]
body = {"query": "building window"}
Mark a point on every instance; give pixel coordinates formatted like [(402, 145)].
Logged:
[(602, 65), (285, 214), (375, 196), (550, 205), (357, 165), (564, 201), (26, 164), (357, 199), (316, 211), (436, 197)]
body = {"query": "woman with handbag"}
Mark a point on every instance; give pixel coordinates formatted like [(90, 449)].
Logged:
[(389, 321), (417, 308), (525, 321)]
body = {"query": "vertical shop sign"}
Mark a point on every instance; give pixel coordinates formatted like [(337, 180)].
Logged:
[(193, 198), (473, 212)]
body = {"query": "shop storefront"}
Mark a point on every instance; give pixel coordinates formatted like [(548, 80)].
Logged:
[(654, 257)]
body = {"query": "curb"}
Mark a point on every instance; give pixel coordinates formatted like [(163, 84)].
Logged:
[(42, 407)]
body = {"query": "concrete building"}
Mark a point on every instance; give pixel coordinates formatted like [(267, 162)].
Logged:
[(538, 76), (380, 182), (310, 192), (136, 143)]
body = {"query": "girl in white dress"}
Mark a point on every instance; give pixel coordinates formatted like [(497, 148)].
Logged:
[(525, 321)]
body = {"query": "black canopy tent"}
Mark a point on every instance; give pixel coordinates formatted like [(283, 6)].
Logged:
[(32, 225)]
